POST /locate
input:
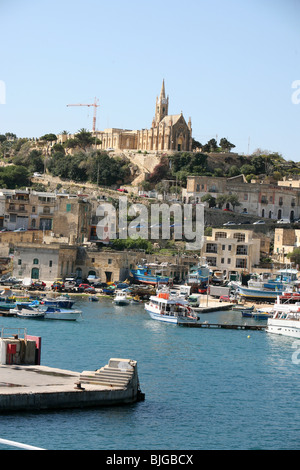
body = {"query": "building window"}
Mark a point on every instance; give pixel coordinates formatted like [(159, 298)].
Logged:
[(240, 237), (241, 263), (220, 235), (241, 250), (211, 261), (19, 262), (109, 261), (35, 261), (33, 209), (50, 263), (211, 248), (68, 207)]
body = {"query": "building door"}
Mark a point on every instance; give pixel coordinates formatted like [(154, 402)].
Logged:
[(35, 273), (279, 214), (108, 275)]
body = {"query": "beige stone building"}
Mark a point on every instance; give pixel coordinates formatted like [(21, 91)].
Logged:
[(266, 200), (285, 240), (61, 216), (233, 250)]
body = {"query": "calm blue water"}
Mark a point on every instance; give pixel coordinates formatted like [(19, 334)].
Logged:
[(205, 388)]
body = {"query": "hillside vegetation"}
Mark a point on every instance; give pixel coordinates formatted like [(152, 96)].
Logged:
[(77, 160)]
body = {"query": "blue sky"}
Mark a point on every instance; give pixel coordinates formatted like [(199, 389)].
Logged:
[(227, 64)]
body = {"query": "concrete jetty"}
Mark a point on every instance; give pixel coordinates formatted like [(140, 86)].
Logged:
[(36, 387), (26, 385)]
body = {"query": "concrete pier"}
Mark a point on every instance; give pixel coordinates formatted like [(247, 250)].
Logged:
[(36, 387)]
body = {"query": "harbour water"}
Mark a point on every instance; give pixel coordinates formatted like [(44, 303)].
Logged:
[(205, 388)]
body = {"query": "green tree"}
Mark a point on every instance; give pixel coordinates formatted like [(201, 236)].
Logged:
[(233, 171), (49, 137), (294, 256), (221, 200), (209, 199), (233, 199), (225, 145)]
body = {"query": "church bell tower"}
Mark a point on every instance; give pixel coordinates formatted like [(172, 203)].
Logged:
[(162, 105)]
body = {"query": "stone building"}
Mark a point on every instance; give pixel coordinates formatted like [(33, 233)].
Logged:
[(45, 262), (267, 200), (233, 250), (285, 241), (62, 215)]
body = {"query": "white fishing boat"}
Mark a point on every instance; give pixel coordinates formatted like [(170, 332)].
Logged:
[(56, 313), (285, 323), (121, 298), (26, 311), (167, 308), (285, 319)]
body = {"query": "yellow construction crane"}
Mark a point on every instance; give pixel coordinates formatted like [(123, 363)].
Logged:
[(95, 104)]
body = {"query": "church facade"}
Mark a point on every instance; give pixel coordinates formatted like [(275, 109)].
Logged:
[(168, 133)]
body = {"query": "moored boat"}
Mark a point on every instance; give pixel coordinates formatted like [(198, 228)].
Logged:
[(286, 323), (27, 312), (172, 309), (56, 313), (63, 301), (149, 275), (121, 298)]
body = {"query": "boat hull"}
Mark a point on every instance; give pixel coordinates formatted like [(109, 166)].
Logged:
[(121, 302), (162, 317), (151, 280), (284, 327), (62, 314), (258, 294)]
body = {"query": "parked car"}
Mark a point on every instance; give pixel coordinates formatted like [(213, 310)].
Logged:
[(230, 223), (9, 281), (84, 287), (21, 229), (121, 190), (224, 298), (283, 221), (259, 222)]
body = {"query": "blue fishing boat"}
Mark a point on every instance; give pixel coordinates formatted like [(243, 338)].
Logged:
[(198, 275), (259, 293), (64, 301), (147, 275)]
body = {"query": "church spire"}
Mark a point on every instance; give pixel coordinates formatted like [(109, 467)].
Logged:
[(162, 105), (162, 92)]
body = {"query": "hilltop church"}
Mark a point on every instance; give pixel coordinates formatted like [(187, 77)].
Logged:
[(167, 133)]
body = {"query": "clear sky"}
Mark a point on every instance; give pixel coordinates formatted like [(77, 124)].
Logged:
[(227, 64)]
